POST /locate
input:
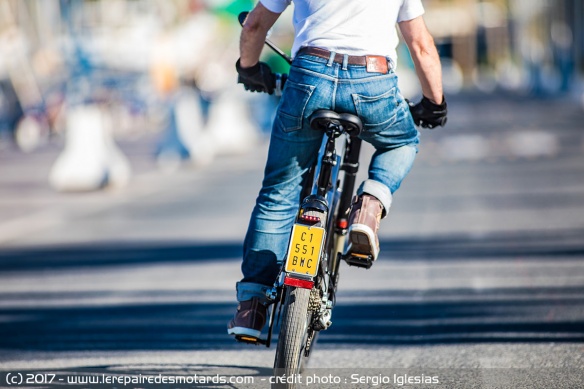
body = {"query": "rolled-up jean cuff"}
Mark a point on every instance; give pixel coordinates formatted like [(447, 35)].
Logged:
[(379, 190), (248, 290)]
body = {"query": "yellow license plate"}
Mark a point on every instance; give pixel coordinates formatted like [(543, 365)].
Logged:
[(304, 251)]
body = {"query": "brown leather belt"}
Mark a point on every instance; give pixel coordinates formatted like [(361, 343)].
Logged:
[(374, 63)]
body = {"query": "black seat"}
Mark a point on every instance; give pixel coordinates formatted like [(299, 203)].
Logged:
[(325, 120)]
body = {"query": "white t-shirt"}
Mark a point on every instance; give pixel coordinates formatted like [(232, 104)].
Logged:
[(354, 27)]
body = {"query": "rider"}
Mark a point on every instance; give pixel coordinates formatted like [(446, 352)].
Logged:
[(344, 59)]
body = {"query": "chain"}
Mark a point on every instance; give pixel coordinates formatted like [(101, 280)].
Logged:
[(314, 301)]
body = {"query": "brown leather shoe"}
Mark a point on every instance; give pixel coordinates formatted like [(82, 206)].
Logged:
[(363, 225), (249, 319)]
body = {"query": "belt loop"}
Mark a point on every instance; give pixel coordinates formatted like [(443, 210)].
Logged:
[(345, 61), (331, 59), (391, 65)]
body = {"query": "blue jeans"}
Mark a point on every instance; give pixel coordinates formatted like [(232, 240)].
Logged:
[(317, 83)]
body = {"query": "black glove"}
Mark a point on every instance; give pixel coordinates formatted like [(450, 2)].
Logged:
[(258, 78), (427, 114)]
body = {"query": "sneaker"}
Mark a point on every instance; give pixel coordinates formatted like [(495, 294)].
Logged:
[(249, 319), (363, 225)]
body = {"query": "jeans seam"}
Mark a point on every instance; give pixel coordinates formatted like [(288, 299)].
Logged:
[(314, 74), (335, 86)]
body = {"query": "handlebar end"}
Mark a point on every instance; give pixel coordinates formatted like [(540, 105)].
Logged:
[(242, 16)]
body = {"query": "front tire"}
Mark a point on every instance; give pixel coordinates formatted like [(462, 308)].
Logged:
[(293, 335)]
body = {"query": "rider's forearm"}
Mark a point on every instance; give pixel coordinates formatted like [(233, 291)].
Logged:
[(251, 43), (429, 72), (256, 27), (425, 57)]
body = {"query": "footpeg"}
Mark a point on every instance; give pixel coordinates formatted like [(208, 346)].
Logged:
[(250, 340), (358, 260)]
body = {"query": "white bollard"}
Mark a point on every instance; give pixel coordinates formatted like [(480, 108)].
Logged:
[(91, 160), (230, 124), (191, 129)]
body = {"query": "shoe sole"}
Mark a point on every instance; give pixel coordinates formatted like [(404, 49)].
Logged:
[(242, 331), (362, 240)]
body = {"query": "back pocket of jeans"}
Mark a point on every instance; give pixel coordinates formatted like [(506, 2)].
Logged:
[(377, 111), (292, 106)]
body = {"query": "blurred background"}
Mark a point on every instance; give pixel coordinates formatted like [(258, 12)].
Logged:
[(130, 161), (139, 67)]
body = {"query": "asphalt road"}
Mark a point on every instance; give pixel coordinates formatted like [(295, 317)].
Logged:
[(479, 284)]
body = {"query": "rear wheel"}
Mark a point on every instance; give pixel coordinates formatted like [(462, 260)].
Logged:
[(293, 337)]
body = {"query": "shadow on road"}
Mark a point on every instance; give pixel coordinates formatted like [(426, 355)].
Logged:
[(542, 244), (200, 326), (424, 316), (115, 254), (532, 244), (521, 315)]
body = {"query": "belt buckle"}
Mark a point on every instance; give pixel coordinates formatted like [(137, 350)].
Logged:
[(376, 64)]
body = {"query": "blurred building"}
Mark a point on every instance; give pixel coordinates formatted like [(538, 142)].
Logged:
[(535, 45), (47, 46), (127, 55)]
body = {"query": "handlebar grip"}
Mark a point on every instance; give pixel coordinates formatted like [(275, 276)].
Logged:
[(241, 17)]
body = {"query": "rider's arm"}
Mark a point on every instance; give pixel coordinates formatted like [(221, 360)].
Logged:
[(425, 57), (258, 23)]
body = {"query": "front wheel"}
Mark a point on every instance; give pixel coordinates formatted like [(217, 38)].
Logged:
[(293, 337)]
